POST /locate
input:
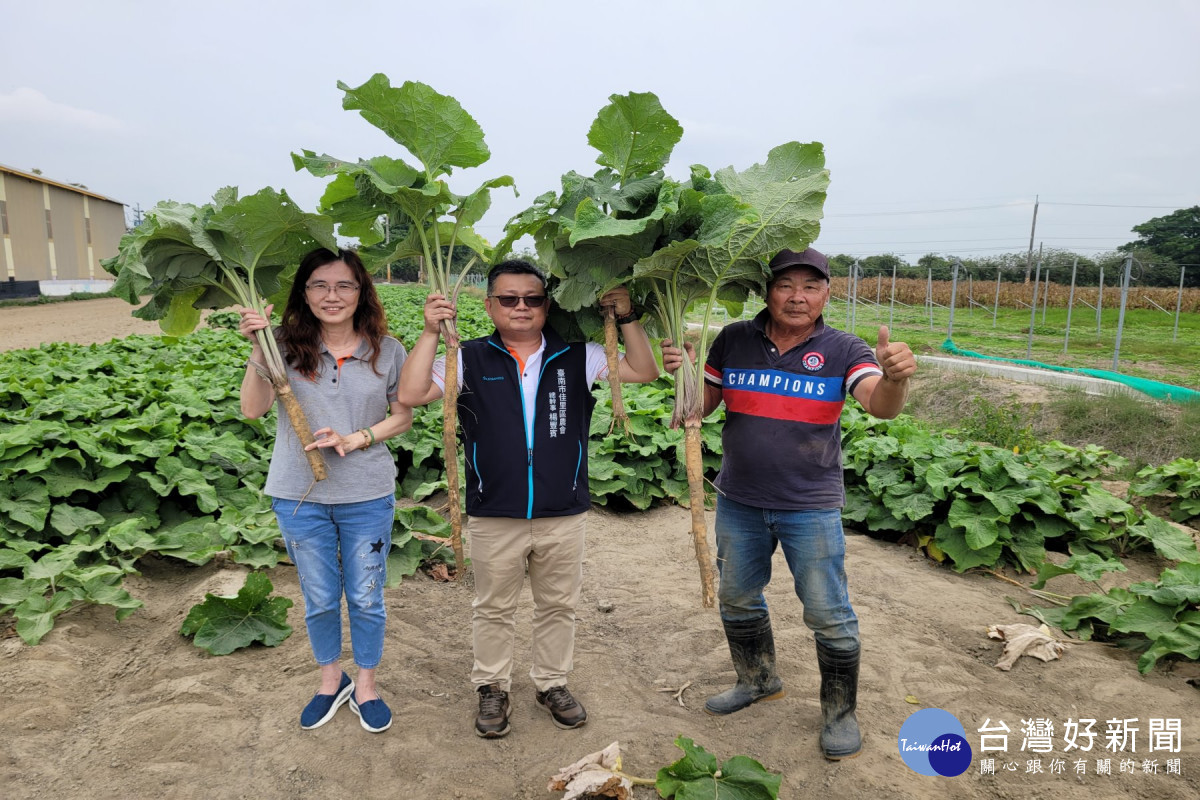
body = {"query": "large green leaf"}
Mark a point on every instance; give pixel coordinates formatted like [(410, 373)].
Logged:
[(431, 126), (978, 519), (1167, 540), (697, 776), (403, 559), (788, 191), (267, 230), (1104, 607), (1088, 566), (1173, 587), (13, 559), (472, 207), (915, 506), (1183, 640), (182, 316), (1147, 617), (634, 134), (25, 500), (768, 207), (387, 174), (15, 590), (35, 614), (206, 253), (69, 520), (953, 542), (221, 625)]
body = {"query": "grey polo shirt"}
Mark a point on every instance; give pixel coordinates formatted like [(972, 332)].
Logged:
[(345, 397)]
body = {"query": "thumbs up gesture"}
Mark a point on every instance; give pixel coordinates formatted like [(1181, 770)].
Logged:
[(895, 358)]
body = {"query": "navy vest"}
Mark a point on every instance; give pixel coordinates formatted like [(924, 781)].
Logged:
[(506, 475)]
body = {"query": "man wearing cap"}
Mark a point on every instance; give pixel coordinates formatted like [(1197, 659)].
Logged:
[(784, 377)]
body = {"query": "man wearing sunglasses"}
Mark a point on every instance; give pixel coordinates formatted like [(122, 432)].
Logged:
[(525, 407)]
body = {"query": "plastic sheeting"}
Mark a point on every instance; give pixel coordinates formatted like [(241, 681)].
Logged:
[(1156, 389)]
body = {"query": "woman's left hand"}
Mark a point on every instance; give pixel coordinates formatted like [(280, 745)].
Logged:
[(328, 437)]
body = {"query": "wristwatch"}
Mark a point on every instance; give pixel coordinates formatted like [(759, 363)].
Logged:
[(632, 316)]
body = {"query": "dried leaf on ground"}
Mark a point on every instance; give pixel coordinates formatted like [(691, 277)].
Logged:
[(440, 572), (594, 775), (1025, 640)]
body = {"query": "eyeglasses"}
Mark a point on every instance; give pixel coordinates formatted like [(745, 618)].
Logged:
[(341, 288), (511, 300)]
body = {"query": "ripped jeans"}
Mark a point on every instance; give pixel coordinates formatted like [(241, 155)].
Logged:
[(340, 548)]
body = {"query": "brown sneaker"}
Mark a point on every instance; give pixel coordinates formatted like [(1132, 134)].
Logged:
[(492, 722), (565, 709)]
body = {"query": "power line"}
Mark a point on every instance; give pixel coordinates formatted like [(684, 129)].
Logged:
[(1104, 205), (927, 211), (955, 241), (952, 250)]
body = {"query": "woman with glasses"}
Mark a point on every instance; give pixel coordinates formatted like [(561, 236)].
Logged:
[(344, 369)]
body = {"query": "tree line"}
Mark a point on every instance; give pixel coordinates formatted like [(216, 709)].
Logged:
[(1163, 245)]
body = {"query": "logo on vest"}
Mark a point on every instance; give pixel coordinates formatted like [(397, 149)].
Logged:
[(813, 361), (493, 377)]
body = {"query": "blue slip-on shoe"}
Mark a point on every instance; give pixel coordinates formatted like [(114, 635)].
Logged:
[(323, 706), (374, 715)]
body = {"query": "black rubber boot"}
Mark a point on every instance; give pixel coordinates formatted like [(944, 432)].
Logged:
[(840, 737), (753, 650)]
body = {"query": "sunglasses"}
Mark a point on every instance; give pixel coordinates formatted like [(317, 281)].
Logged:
[(511, 300)]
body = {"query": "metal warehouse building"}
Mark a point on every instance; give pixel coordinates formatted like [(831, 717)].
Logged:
[(55, 234)]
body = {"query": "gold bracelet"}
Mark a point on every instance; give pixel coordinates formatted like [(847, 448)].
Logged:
[(367, 438)]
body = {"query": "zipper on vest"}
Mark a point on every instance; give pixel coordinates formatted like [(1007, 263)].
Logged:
[(578, 463), (541, 374), (529, 441), (524, 412), (475, 462)]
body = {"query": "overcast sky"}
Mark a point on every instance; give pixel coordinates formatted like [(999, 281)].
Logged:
[(963, 111)]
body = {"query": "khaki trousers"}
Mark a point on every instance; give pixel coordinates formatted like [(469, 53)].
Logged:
[(501, 551)]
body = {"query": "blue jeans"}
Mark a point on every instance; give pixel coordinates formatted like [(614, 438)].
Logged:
[(815, 549), (340, 548)]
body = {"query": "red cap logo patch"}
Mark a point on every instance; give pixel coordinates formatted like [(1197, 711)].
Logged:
[(813, 361)]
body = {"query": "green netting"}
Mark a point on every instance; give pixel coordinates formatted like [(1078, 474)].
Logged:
[(1156, 389)]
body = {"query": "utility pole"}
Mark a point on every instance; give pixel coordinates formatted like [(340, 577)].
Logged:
[(1037, 280), (1032, 233), (953, 298), (1121, 315), (1070, 303)]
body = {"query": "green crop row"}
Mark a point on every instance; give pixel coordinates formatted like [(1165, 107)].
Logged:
[(112, 452), (977, 505)]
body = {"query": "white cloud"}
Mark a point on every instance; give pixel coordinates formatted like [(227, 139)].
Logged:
[(25, 105)]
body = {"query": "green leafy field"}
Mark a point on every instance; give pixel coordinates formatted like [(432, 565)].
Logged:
[(1150, 347), (109, 453)]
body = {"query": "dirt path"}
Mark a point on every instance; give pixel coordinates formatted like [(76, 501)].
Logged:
[(132, 710), (78, 321)]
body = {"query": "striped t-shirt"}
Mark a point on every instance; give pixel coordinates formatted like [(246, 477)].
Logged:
[(782, 438)]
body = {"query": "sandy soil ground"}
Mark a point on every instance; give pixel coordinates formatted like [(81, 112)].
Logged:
[(80, 321), (132, 710)]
